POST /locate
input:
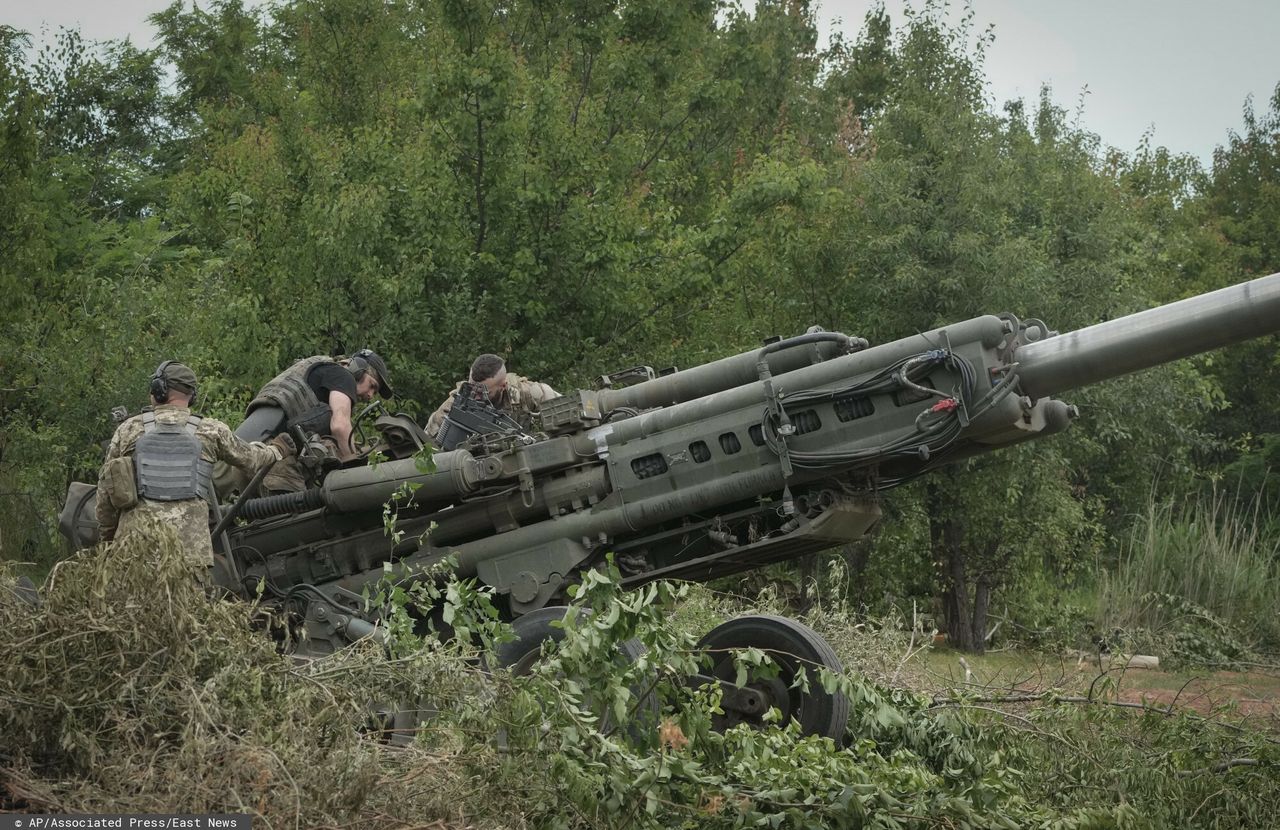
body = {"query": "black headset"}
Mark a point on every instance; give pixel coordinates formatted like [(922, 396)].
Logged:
[(160, 385), (357, 365)]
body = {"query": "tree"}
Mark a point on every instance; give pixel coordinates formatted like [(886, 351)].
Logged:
[(81, 241), (1242, 203), (948, 212)]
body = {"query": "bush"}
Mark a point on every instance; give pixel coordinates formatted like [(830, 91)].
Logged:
[(1211, 554), (128, 691)]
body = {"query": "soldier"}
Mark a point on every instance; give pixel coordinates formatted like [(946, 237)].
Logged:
[(514, 395), (159, 463), (319, 394)]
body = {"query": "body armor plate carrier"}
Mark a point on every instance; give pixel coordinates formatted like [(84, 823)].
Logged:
[(289, 391), (167, 461)]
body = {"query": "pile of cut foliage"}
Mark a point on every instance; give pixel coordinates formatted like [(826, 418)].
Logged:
[(126, 690), (132, 692)]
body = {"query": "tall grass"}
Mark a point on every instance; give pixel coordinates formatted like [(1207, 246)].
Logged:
[(1213, 551)]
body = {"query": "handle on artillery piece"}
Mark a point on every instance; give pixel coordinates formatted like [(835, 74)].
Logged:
[(230, 515)]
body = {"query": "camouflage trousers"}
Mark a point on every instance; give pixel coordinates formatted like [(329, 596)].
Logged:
[(288, 475), (285, 476), (228, 480), (189, 519)]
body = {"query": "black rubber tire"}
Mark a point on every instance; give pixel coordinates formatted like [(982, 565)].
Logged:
[(535, 628), (531, 630), (792, 645)]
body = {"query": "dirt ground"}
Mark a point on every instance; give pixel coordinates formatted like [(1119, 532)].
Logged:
[(1251, 696)]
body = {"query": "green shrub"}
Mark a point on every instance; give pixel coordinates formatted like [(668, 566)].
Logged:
[(1211, 554)]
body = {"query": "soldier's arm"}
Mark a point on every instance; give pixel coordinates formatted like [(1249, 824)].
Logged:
[(436, 421), (248, 456), (535, 394), (108, 516), (340, 424), (545, 392)]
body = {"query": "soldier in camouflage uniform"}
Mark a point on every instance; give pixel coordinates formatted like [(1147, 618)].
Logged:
[(516, 396), (158, 467)]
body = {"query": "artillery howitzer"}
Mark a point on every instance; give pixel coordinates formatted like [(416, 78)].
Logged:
[(756, 458)]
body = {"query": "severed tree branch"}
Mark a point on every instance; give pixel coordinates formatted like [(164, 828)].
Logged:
[(1222, 766)]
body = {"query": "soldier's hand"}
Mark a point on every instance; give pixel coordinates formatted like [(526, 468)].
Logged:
[(284, 443)]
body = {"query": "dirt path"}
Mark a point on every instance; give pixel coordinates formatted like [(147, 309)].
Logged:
[(1252, 696)]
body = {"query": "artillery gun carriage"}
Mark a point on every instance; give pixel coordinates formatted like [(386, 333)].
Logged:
[(756, 458)]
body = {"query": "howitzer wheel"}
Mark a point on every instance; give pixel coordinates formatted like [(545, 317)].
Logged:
[(531, 630), (535, 628), (793, 646)]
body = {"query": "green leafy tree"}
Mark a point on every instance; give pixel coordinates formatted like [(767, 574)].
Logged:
[(86, 307), (581, 187), (947, 212), (500, 174), (1242, 203)]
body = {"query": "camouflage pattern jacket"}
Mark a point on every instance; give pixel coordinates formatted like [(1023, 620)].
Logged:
[(189, 517), (521, 401)]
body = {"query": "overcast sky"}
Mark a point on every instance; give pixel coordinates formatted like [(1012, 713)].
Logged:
[(1180, 67)]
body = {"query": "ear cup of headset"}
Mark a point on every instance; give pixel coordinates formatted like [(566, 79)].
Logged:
[(160, 384)]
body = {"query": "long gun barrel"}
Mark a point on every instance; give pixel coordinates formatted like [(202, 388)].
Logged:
[(1149, 338), (728, 372)]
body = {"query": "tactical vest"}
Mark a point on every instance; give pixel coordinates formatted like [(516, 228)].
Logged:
[(167, 461), (289, 391)]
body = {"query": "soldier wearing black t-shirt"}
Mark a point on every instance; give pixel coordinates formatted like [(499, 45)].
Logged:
[(319, 394), (339, 387)]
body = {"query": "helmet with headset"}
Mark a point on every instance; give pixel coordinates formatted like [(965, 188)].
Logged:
[(172, 375)]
